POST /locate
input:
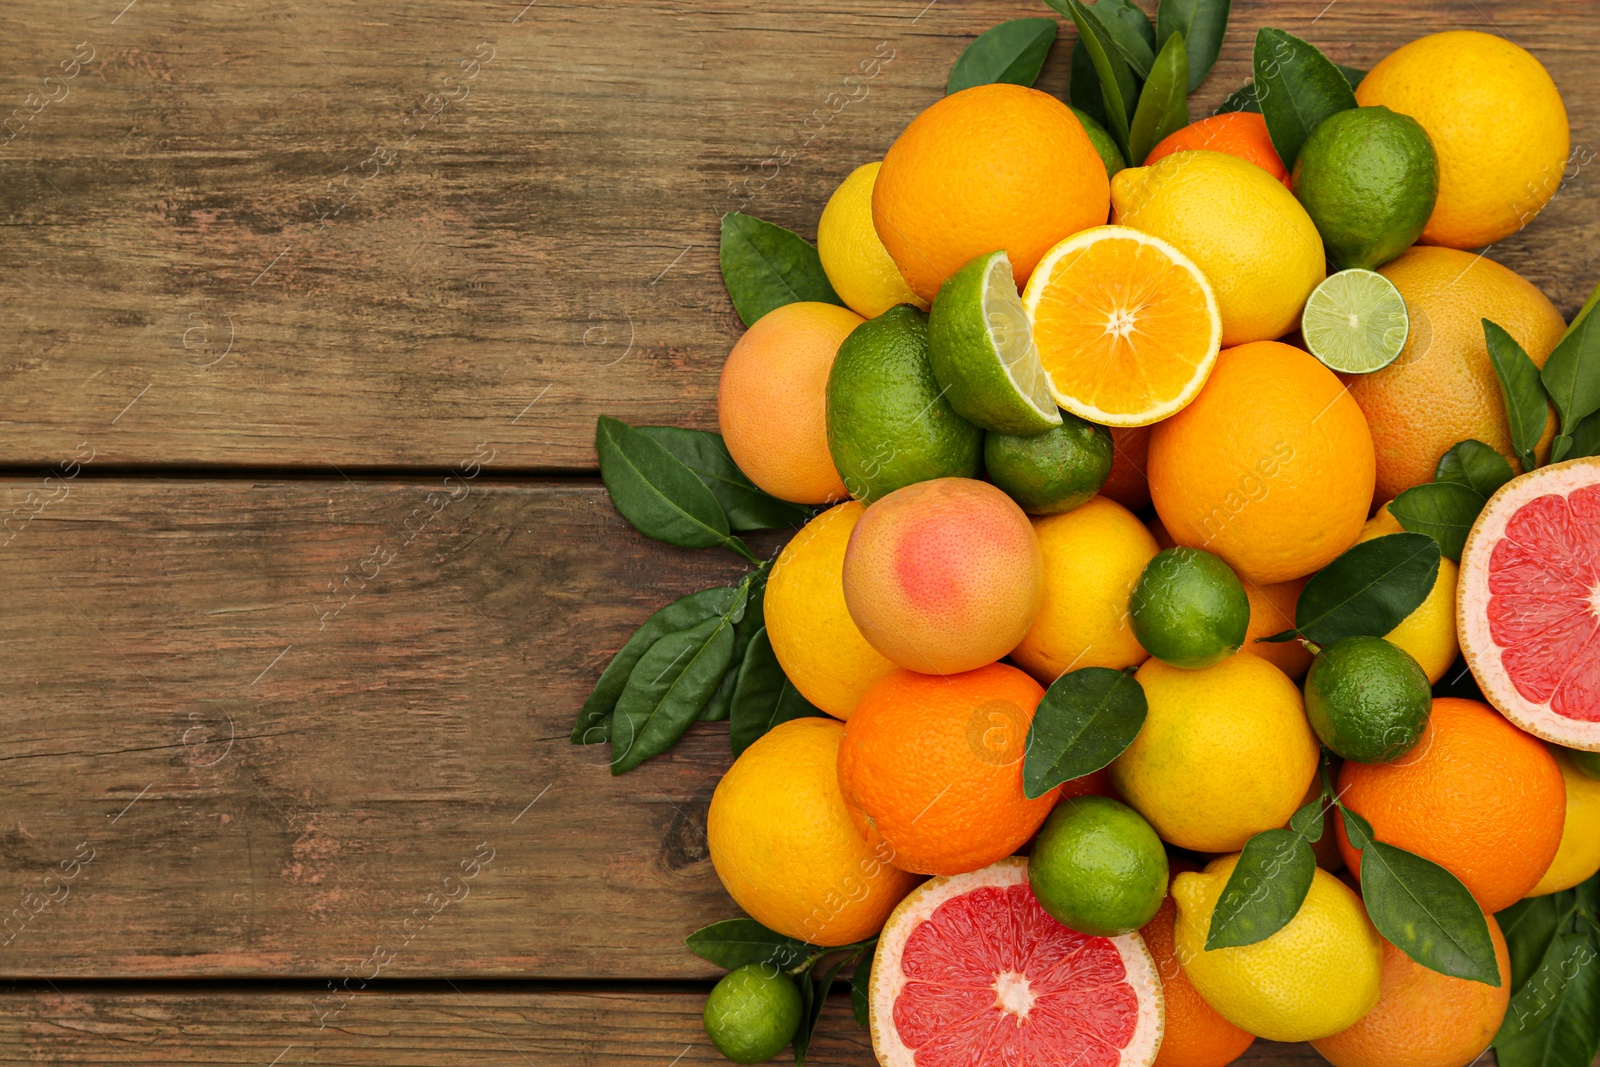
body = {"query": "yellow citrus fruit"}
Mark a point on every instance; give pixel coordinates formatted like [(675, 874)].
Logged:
[(1270, 468), (1225, 752), (817, 644), (1093, 555), (991, 167), (1248, 234), (1429, 633), (1272, 612), (784, 844), (1579, 854), (1442, 389), (853, 257), (1313, 978), (1496, 122), (1126, 325)]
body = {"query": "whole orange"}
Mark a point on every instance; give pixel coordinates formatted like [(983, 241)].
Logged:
[(1442, 389), (1237, 133), (1270, 468), (1476, 795), (1424, 1018), (931, 768), (772, 402), (1272, 612), (1196, 1035), (991, 167), (1130, 452)]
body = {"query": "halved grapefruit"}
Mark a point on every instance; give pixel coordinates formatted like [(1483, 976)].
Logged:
[(971, 972), (1528, 602)]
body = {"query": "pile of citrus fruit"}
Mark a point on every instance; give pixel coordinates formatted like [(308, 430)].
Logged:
[(1194, 631)]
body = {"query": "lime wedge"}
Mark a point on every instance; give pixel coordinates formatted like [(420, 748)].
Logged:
[(980, 344), (1355, 322)]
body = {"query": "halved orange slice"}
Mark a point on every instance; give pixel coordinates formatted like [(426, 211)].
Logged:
[(1126, 325)]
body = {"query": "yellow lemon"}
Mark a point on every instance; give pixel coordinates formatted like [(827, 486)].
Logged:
[(1093, 555), (853, 256), (1429, 633), (1248, 234), (816, 642), (1579, 855), (1313, 978), (1225, 752)]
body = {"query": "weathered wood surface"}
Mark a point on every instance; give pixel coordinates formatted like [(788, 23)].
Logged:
[(298, 233), (447, 1029)]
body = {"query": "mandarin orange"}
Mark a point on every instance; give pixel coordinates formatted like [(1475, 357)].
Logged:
[(1236, 133)]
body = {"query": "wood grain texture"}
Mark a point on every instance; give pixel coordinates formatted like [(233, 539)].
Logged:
[(284, 237)]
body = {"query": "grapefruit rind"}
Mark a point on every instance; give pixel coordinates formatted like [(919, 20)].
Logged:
[(1478, 647), (888, 979)]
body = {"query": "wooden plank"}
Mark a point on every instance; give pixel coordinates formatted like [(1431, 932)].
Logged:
[(445, 1029), (242, 234)]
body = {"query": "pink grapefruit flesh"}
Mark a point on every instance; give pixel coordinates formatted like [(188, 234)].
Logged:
[(970, 972), (1528, 602)]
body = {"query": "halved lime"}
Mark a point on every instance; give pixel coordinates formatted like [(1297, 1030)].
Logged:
[(980, 344), (1355, 322)]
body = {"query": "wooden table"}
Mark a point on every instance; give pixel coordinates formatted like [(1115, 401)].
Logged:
[(273, 272)]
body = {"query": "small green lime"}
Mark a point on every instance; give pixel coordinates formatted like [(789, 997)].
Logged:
[(1355, 322), (1110, 154), (1097, 867), (1368, 177), (888, 423), (980, 345), (1367, 698), (1054, 471), (1189, 609), (1587, 762), (752, 1013)]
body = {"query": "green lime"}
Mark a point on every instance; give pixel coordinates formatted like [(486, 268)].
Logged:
[(1367, 698), (1189, 609), (1097, 867), (752, 1013), (1587, 762), (889, 424), (1054, 471), (1355, 321), (1110, 154), (980, 344), (1368, 178)]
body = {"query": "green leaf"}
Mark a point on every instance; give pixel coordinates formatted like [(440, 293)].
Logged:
[(1297, 87), (1521, 389), (1369, 589), (1164, 101), (1538, 996), (1568, 1034), (1530, 925), (763, 697), (1265, 890), (734, 943), (1083, 85), (747, 507), (656, 492), (1572, 378), (594, 720), (754, 619), (1131, 33), (1444, 511), (669, 686), (860, 992), (1118, 88), (766, 266), (813, 1005), (1308, 820), (1011, 52), (1241, 99), (1474, 465), (1086, 719), (1351, 75), (1585, 438), (1202, 23)]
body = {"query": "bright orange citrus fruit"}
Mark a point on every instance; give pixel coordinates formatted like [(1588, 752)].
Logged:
[(1237, 133)]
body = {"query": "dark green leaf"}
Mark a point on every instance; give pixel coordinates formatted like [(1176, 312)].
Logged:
[(861, 992), (813, 1006), (1572, 378), (1585, 438), (1164, 101), (1131, 33), (747, 507), (733, 943), (668, 687), (1202, 23), (1241, 99), (1530, 925), (1010, 52), (1307, 822), (763, 697), (1565, 1000), (1086, 719), (1521, 389), (1265, 890), (1534, 1001), (766, 266), (1083, 85), (1369, 589), (594, 720), (1444, 511), (754, 619), (1426, 912), (1356, 828), (654, 491), (1351, 75), (1474, 465), (1297, 87), (1118, 87)]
